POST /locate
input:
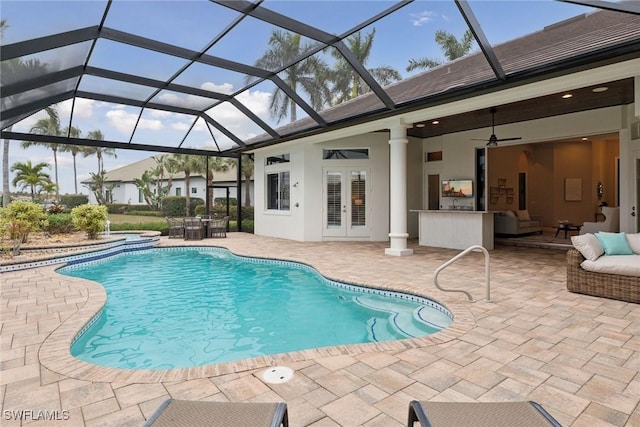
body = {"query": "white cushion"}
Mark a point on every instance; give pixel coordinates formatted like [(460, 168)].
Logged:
[(624, 265), (588, 245), (524, 215), (510, 213), (634, 242)]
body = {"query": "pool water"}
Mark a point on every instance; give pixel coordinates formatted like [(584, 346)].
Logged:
[(182, 307)]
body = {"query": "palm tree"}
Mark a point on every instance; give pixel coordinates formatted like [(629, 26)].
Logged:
[(99, 152), (247, 173), (48, 126), (217, 165), (452, 48), (307, 74), (185, 163), (73, 132), (348, 84), (30, 176)]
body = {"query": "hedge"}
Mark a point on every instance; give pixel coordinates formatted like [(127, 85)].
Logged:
[(59, 224), (174, 205), (71, 201), (163, 228)]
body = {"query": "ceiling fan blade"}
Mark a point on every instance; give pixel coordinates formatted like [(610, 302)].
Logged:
[(477, 139), (509, 139)]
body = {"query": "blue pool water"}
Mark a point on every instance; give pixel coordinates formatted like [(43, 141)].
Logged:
[(181, 307)]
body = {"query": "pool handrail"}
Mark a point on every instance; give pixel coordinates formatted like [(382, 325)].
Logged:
[(487, 271)]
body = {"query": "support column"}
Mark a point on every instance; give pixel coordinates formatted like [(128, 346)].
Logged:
[(398, 191)]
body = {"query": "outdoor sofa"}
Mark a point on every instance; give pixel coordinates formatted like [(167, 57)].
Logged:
[(616, 276)]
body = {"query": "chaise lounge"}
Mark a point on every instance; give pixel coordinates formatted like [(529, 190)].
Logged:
[(479, 414), (178, 413)]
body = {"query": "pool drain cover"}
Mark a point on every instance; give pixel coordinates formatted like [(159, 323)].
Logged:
[(277, 375)]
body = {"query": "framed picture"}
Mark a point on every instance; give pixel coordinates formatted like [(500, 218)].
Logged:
[(573, 189)]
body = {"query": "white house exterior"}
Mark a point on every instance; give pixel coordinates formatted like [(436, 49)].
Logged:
[(396, 171), (126, 191)]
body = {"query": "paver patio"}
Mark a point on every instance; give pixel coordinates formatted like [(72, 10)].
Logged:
[(578, 356)]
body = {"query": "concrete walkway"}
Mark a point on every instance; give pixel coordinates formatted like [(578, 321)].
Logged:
[(578, 356)]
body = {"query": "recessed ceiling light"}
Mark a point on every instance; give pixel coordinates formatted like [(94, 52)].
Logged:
[(435, 122), (585, 139), (419, 125), (567, 96), (600, 89)]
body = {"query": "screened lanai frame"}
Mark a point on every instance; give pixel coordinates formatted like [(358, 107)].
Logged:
[(163, 78)]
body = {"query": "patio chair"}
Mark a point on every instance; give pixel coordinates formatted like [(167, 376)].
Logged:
[(479, 414), (176, 227), (174, 413), (218, 227), (193, 229)]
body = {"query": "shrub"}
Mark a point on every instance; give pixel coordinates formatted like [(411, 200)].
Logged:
[(60, 223), (145, 213), (90, 218), (20, 218), (73, 200), (55, 208), (163, 228), (174, 205), (223, 201), (126, 208)]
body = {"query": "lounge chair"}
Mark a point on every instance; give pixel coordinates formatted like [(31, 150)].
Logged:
[(479, 414), (218, 227), (193, 229), (176, 227), (177, 413)]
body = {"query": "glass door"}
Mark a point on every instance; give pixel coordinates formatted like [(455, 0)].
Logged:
[(345, 202)]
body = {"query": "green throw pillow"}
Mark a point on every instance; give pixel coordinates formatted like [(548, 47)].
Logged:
[(614, 243)]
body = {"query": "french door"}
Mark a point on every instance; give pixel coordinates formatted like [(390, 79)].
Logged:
[(345, 201)]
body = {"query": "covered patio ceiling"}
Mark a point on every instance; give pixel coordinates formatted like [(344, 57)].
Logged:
[(203, 76)]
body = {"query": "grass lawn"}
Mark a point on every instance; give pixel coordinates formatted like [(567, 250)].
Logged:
[(135, 219)]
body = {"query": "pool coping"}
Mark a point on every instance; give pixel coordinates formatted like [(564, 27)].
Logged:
[(55, 351)]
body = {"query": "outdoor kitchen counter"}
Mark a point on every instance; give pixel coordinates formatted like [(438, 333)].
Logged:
[(455, 229)]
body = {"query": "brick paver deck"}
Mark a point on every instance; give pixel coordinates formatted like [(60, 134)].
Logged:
[(578, 356)]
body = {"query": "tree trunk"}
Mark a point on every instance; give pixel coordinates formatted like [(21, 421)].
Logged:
[(55, 162), (187, 183), (75, 175), (6, 190), (247, 189)]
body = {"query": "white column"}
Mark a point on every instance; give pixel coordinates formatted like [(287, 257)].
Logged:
[(398, 191)]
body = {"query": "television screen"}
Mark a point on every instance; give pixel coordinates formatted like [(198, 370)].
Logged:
[(457, 188)]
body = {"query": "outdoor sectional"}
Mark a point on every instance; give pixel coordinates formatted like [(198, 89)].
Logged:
[(614, 286)]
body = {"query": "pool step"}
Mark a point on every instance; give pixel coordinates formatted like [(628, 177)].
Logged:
[(408, 324)]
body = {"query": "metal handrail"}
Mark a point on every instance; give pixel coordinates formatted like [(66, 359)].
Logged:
[(457, 257)]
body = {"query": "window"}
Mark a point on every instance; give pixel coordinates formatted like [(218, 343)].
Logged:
[(346, 154), (278, 191), (178, 191), (140, 196), (276, 160), (194, 190)]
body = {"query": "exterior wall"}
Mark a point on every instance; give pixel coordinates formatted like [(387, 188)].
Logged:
[(305, 221), (127, 192)]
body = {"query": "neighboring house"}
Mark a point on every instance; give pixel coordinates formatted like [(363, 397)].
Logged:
[(361, 182), (126, 191)]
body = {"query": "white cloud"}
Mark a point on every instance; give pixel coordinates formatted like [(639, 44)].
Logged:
[(226, 88), (419, 19), (124, 121)]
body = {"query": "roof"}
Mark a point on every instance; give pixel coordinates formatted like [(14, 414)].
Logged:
[(133, 171), (182, 70)]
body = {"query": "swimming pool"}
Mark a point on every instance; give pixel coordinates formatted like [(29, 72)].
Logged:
[(182, 307)]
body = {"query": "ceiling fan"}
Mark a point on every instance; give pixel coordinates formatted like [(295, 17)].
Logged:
[(493, 139)]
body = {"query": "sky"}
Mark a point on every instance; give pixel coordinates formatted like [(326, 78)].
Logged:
[(408, 33)]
